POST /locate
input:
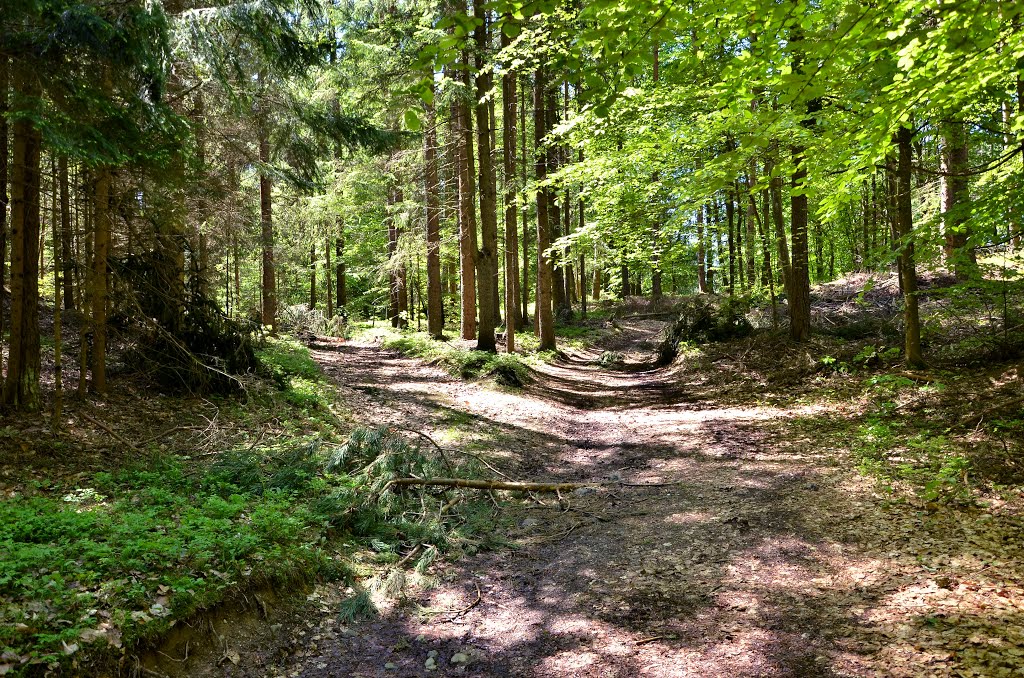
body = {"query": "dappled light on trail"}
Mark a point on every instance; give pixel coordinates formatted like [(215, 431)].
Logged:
[(717, 540)]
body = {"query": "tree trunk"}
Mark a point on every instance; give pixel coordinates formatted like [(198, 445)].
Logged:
[(99, 284), (58, 270), (269, 281), (781, 244), (730, 218), (4, 202), (702, 274), (21, 389), (327, 278), (955, 191), (312, 276), (748, 241), (339, 267), (435, 307), (487, 255), (545, 316), (67, 264), (467, 212), (525, 284), (558, 298), (513, 318), (908, 269), (799, 294)]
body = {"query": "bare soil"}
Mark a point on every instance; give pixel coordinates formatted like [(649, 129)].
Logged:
[(731, 540)]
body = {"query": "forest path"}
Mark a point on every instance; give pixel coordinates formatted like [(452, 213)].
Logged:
[(727, 541), (724, 565)]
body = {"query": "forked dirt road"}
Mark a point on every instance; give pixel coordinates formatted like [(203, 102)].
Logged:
[(732, 546)]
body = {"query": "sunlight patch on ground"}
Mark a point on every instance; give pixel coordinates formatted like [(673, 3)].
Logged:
[(688, 518)]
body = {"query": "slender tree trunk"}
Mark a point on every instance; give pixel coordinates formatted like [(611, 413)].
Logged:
[(487, 255), (702, 274), (545, 315), (4, 201), (905, 226), (269, 281), (85, 287), (558, 298), (583, 257), (58, 271), (513, 318), (396, 290), (467, 213), (730, 218), (101, 251), (435, 307), (327, 278), (525, 284), (752, 215), (955, 191), (201, 282), (800, 288), (21, 389), (781, 244), (312, 276), (67, 263), (339, 267)]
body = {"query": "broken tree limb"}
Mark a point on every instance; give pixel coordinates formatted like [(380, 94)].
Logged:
[(113, 434), (488, 484)]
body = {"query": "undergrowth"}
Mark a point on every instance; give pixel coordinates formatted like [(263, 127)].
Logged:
[(292, 368), (94, 566), (506, 369)]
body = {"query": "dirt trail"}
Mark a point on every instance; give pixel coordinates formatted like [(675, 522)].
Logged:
[(739, 559)]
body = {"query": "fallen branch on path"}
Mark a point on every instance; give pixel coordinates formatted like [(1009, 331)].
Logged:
[(474, 484), (114, 434)]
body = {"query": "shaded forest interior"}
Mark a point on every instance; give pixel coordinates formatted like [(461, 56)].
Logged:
[(767, 208)]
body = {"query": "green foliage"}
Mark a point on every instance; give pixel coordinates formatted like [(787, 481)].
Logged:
[(295, 372), (116, 562), (119, 558)]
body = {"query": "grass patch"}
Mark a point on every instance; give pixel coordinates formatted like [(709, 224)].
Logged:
[(292, 368)]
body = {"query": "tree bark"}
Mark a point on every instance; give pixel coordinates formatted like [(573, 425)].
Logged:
[(467, 212), (100, 280), (487, 255), (435, 307), (525, 284), (955, 192), (327, 278), (545, 316), (748, 241), (513, 317), (781, 244), (312, 276), (21, 389), (799, 296), (4, 200), (66, 236), (269, 278), (908, 269), (339, 267)]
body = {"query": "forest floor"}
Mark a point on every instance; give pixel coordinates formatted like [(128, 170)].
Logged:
[(732, 536)]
